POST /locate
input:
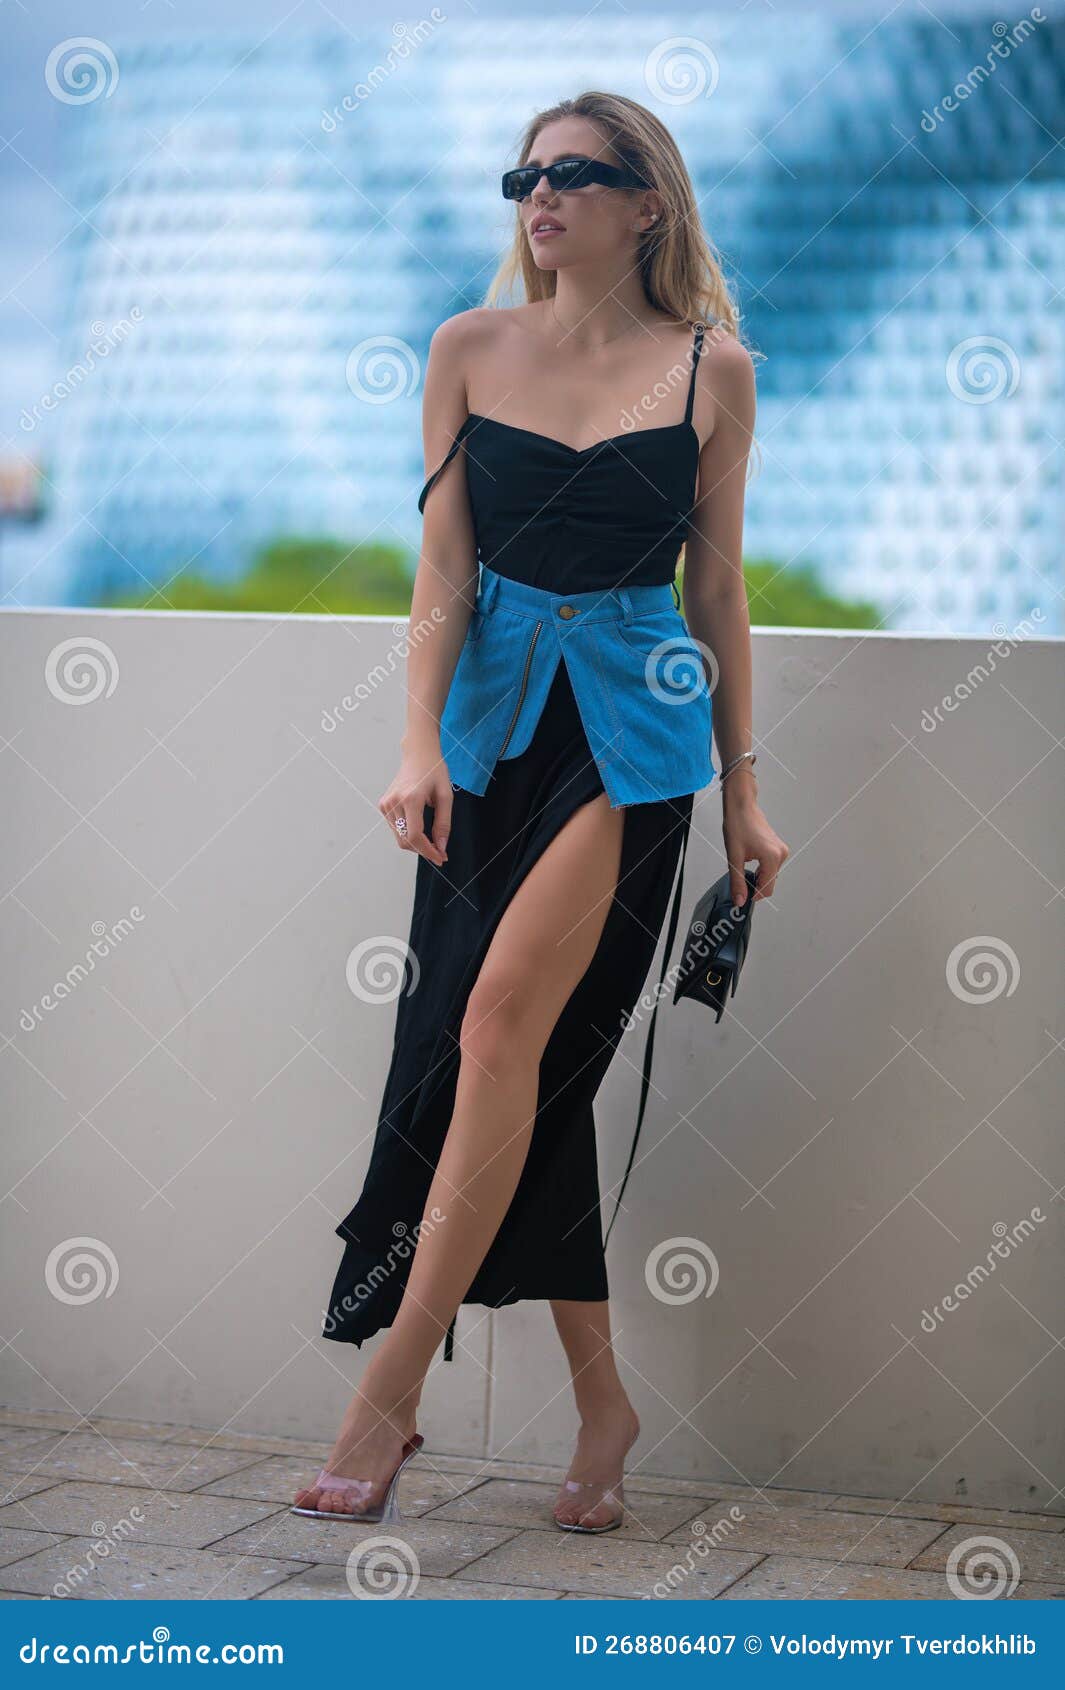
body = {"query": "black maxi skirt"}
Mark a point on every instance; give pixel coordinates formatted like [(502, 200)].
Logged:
[(549, 1243)]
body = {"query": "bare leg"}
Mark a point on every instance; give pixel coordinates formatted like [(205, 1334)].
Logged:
[(542, 946), (609, 1425)]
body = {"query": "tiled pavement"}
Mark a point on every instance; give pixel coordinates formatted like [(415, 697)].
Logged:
[(119, 1509)]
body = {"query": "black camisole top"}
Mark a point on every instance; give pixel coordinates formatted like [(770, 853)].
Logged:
[(576, 520)]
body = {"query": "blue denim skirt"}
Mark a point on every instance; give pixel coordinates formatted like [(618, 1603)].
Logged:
[(637, 675)]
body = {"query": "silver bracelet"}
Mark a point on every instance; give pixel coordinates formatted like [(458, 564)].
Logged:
[(741, 758)]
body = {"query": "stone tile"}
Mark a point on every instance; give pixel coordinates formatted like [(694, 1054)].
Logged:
[(527, 1507), (174, 1518), (329, 1584), (116, 1429), (143, 1572), (13, 1485), (1041, 1557), (137, 1461), (278, 1478), (24, 1418), (579, 1596), (440, 1549), (609, 1566), (768, 1496), (22, 1445), (636, 1479), (1032, 1592), (789, 1578), (950, 1512), (15, 1543), (17, 1596), (206, 1438), (822, 1533)]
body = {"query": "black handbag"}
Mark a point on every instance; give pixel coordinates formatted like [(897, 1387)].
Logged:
[(708, 971)]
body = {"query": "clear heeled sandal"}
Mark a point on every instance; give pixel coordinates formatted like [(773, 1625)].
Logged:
[(596, 1494), (357, 1490)]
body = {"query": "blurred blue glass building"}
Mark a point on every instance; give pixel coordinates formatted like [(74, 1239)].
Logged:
[(292, 219)]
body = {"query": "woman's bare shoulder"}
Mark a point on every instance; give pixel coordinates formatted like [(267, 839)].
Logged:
[(477, 330)]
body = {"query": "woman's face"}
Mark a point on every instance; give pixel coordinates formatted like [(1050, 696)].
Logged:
[(580, 225)]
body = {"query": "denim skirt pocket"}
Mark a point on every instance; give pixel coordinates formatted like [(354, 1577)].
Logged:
[(655, 692)]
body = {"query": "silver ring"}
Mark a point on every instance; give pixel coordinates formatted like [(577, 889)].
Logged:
[(401, 825)]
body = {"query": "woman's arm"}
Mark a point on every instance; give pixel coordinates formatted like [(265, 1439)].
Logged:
[(445, 587), (715, 603)]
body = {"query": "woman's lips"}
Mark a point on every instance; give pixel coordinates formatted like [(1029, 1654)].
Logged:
[(548, 233)]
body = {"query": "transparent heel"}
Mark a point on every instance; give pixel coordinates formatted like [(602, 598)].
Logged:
[(358, 1490)]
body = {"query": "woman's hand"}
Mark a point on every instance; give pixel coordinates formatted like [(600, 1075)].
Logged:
[(421, 779), (749, 838)]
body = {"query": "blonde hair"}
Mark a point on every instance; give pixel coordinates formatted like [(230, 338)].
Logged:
[(678, 264)]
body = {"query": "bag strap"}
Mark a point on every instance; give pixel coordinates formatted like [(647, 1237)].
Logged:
[(645, 1078)]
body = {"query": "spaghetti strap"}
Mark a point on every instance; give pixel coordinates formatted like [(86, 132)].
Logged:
[(452, 449), (696, 350)]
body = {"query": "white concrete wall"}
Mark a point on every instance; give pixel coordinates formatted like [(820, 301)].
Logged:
[(846, 1143)]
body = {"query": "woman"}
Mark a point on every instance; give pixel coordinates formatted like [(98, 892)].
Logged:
[(547, 737)]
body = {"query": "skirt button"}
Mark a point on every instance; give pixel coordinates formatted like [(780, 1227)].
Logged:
[(566, 610)]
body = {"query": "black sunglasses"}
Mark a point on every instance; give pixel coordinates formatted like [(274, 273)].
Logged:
[(568, 173)]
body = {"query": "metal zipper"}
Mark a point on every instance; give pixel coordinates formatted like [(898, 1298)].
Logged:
[(524, 684)]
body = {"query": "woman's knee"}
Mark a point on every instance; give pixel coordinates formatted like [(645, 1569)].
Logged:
[(498, 1025)]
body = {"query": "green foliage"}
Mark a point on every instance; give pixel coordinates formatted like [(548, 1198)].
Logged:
[(793, 597), (294, 576)]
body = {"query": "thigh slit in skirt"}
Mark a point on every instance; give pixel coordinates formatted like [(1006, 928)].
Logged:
[(549, 1244)]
